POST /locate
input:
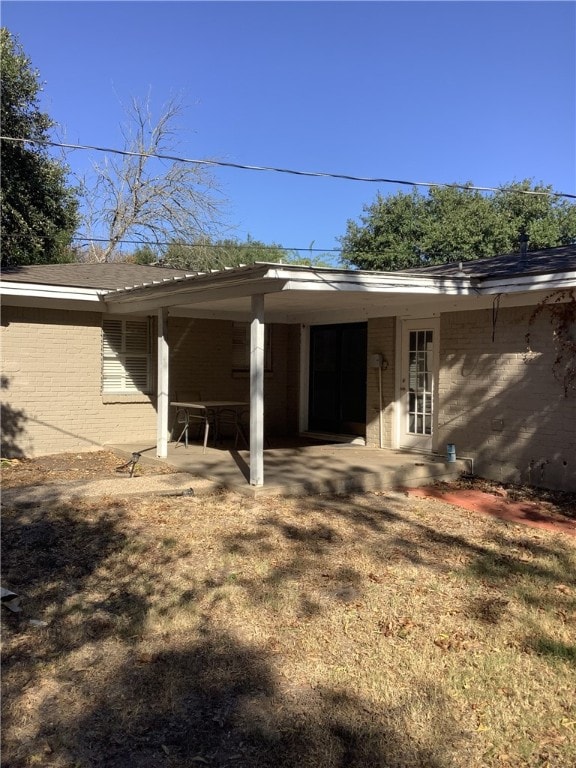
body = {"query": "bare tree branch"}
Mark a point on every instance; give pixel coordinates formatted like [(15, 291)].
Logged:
[(144, 198)]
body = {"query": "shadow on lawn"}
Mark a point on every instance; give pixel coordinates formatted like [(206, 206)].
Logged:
[(217, 703), (504, 563), (205, 698), (49, 555)]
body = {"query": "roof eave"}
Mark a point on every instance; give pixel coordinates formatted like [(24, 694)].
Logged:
[(56, 292), (524, 283), (270, 279)]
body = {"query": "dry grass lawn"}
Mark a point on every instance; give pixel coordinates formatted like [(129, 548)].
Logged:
[(367, 630)]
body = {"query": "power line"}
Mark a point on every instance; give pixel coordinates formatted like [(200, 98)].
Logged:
[(315, 174), (232, 245)]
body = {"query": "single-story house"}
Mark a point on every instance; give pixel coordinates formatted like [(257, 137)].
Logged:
[(480, 355)]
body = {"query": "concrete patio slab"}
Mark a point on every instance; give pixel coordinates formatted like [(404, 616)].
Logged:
[(298, 468)]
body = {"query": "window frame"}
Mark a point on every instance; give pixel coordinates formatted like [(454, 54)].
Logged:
[(110, 355), (241, 348)]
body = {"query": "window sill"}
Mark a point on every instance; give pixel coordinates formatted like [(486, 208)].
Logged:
[(126, 397), (246, 374)]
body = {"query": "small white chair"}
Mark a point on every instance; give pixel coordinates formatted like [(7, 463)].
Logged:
[(243, 429), (231, 418)]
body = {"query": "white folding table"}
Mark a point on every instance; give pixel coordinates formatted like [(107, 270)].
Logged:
[(203, 411)]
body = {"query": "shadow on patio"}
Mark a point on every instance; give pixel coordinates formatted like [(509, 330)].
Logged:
[(300, 467)]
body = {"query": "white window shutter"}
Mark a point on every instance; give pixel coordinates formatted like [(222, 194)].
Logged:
[(136, 337), (137, 370), (241, 347), (126, 356), (112, 337)]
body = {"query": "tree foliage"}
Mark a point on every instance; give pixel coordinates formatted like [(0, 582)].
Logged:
[(144, 254), (142, 198), (451, 224), (204, 254), (39, 209)]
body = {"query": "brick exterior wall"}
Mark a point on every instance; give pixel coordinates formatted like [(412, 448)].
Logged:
[(201, 363), (497, 404), (504, 407), (51, 381), (51, 386)]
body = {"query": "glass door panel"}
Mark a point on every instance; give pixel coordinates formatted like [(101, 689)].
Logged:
[(418, 377)]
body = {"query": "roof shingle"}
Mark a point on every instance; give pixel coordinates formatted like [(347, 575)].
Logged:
[(107, 276), (545, 261), (119, 276)]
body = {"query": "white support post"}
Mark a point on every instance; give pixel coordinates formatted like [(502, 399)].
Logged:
[(257, 391), (162, 378)]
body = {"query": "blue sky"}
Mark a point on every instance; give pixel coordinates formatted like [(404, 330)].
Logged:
[(424, 91)]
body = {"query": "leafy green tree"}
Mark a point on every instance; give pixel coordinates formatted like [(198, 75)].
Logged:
[(39, 210), (145, 254), (203, 254), (449, 224)]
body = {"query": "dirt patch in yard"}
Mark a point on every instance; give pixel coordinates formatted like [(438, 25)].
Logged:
[(68, 467), (536, 507), (558, 504)]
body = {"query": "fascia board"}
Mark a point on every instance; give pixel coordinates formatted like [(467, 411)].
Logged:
[(56, 292), (391, 285), (143, 302), (39, 302), (557, 281), (271, 280), (362, 280)]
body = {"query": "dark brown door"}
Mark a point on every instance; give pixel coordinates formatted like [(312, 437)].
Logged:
[(337, 402)]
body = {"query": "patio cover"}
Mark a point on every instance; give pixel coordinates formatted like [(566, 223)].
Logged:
[(263, 293)]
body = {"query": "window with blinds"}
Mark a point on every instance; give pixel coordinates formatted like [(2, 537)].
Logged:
[(241, 347), (126, 356)]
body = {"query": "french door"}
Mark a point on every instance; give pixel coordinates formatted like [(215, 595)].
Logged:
[(419, 382)]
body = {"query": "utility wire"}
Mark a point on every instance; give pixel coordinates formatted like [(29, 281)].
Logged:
[(316, 174), (233, 245)]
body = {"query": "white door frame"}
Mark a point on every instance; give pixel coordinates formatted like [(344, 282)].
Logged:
[(403, 326)]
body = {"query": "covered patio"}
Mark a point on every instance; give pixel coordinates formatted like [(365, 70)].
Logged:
[(297, 298), (303, 467)]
